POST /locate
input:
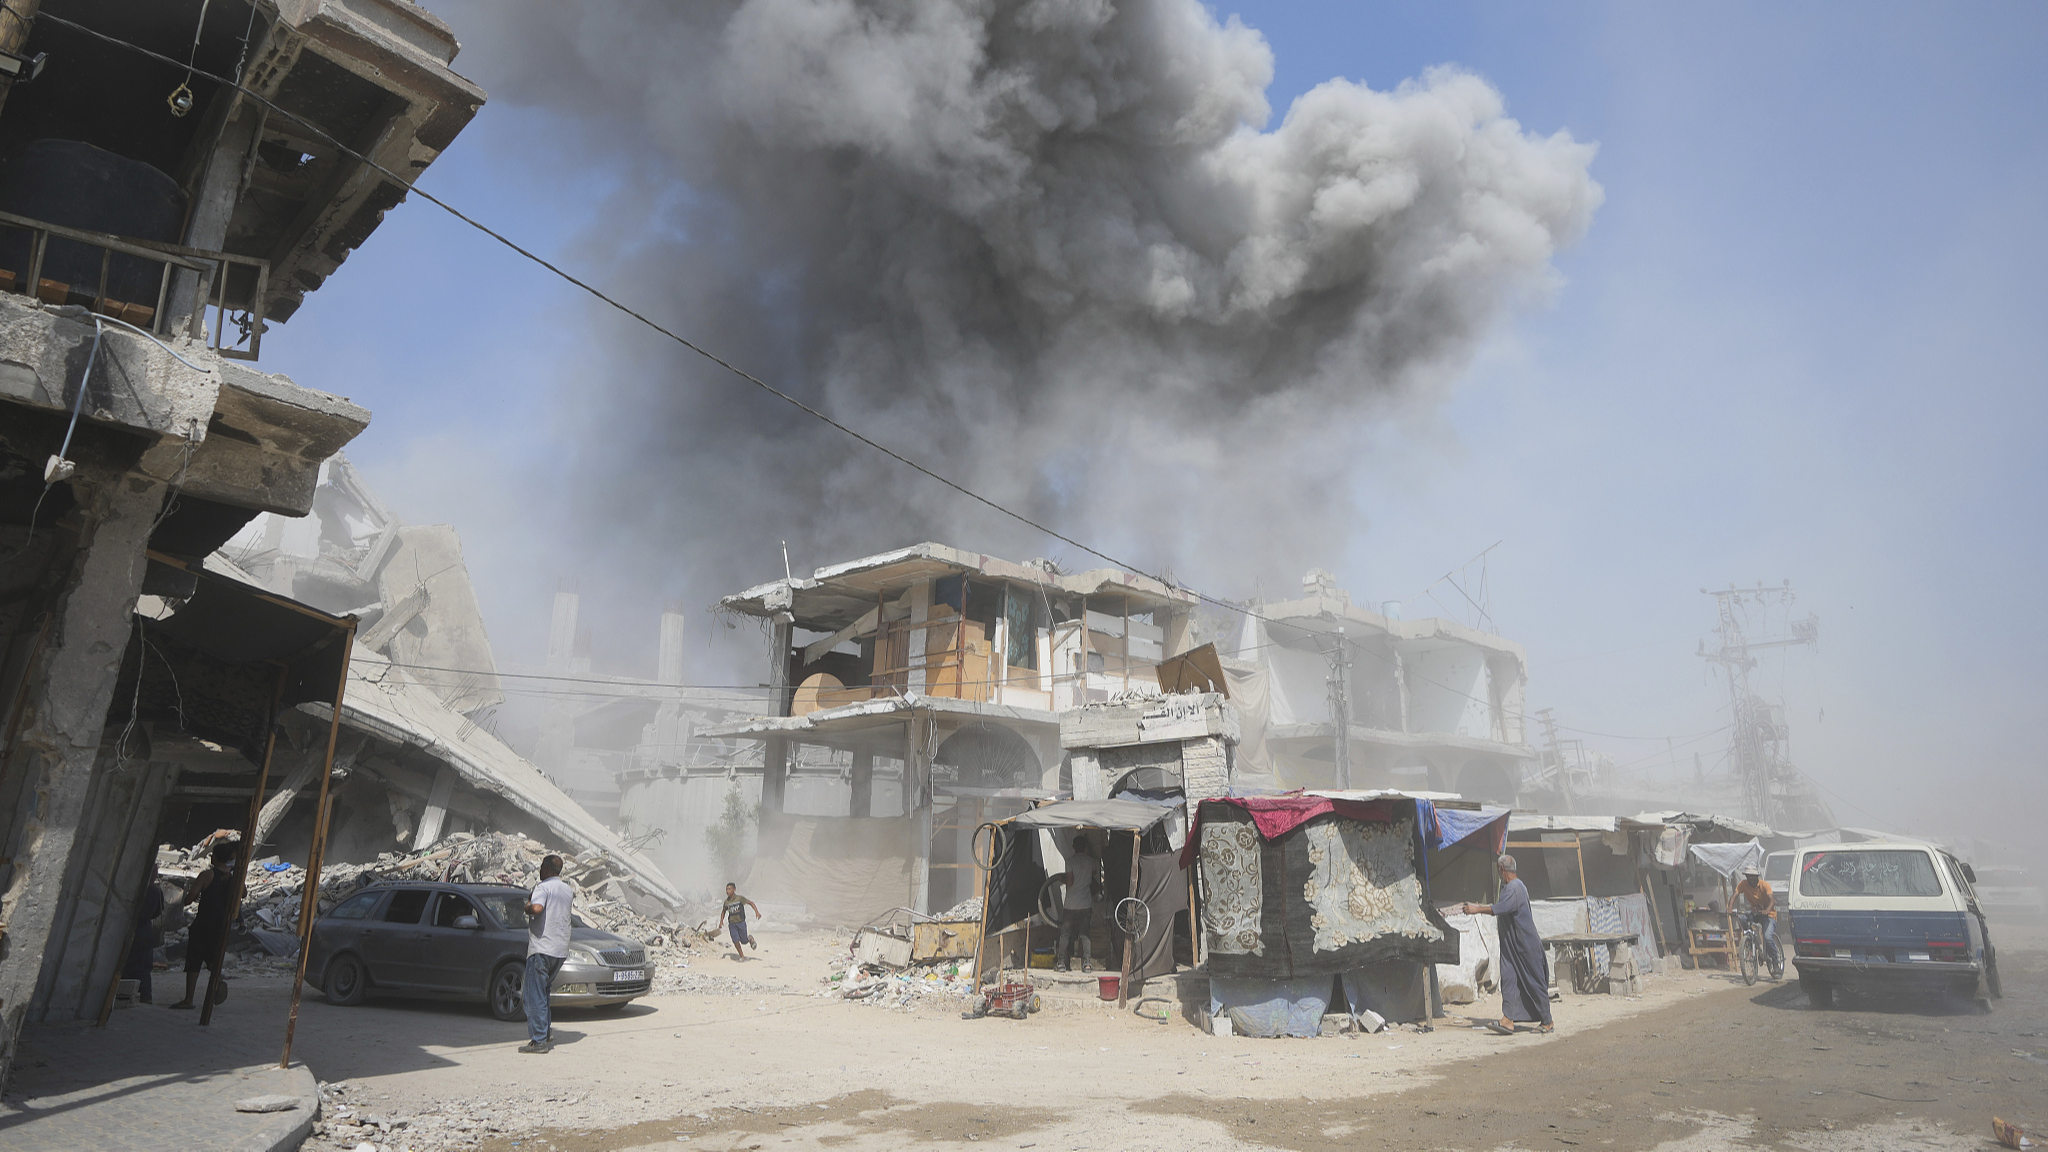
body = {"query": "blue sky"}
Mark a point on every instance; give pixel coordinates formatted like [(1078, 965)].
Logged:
[(1802, 341)]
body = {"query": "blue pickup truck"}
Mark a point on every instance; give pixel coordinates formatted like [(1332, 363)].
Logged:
[(1888, 916)]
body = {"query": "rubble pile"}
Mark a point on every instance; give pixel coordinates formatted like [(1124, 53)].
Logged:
[(265, 940), (938, 984)]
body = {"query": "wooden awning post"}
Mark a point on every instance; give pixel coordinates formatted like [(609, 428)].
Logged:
[(248, 848), (1123, 984), (309, 900), (1579, 846)]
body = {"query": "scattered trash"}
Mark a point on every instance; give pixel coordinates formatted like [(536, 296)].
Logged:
[(2010, 1135)]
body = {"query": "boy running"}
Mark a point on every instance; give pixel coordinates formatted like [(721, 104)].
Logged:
[(736, 907)]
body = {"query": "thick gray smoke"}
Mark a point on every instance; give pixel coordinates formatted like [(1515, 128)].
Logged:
[(1052, 249)]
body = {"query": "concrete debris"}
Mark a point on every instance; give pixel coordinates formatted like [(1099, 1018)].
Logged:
[(270, 1103), (269, 918)]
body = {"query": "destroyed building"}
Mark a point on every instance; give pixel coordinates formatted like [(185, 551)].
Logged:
[(1431, 704), (936, 678), (419, 757), (153, 222), (604, 736)]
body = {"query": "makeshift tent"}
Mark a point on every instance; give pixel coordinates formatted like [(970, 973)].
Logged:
[(1313, 885), (1160, 882)]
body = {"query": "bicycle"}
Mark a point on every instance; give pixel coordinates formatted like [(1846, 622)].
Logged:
[(1750, 951)]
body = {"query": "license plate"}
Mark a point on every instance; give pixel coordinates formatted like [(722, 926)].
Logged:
[(628, 976), (1917, 956)]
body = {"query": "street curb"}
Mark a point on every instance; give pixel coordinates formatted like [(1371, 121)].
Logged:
[(289, 1129)]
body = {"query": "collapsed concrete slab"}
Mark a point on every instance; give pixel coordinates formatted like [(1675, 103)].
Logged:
[(389, 705)]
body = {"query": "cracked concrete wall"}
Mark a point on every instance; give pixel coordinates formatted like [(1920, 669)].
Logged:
[(135, 382), (60, 733)]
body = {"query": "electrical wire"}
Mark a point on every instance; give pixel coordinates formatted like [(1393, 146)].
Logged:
[(713, 357)]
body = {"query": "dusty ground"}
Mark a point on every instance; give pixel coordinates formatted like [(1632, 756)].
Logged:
[(1699, 1062)]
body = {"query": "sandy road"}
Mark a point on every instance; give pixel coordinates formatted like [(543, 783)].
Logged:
[(1699, 1062)]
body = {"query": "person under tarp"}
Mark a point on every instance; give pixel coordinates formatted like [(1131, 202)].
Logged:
[(1160, 884)]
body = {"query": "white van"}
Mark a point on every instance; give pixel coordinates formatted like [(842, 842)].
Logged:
[(1876, 914)]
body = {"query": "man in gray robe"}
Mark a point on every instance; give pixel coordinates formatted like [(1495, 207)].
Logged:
[(1524, 970)]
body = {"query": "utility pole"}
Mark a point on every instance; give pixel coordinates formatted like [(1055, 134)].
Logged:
[(1564, 776), (1759, 740), (1340, 707)]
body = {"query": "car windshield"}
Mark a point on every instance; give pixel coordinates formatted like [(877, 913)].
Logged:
[(1869, 872)]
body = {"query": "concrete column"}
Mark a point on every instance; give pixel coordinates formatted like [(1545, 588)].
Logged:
[(62, 725), (669, 733), (213, 202), (775, 753), (920, 611), (861, 800), (1401, 684), (436, 815), (917, 797)]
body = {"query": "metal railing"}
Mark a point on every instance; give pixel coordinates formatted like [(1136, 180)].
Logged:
[(209, 270)]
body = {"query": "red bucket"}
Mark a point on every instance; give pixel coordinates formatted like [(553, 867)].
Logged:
[(1108, 986)]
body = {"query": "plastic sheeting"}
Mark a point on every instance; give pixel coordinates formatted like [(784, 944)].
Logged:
[(1396, 989), (1117, 815), (1451, 825), (1729, 859), (1163, 886), (1266, 1007), (1473, 976)]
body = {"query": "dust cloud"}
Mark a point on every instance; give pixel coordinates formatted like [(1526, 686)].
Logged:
[(1055, 250)]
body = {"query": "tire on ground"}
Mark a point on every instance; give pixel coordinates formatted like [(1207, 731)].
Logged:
[(505, 1007)]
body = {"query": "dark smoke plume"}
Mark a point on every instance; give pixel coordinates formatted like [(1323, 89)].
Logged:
[(1052, 249)]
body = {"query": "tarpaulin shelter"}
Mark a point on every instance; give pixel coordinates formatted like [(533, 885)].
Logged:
[(1304, 890), (1157, 880)]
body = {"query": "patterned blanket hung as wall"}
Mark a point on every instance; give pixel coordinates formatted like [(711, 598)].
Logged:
[(1298, 886)]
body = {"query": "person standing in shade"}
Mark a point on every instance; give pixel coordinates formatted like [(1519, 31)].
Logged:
[(208, 931), (1077, 913), (736, 907), (547, 945), (1524, 969), (142, 945)]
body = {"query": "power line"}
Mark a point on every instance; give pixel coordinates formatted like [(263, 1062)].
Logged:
[(714, 358)]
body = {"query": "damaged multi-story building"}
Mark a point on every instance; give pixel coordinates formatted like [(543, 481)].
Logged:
[(1429, 704), (935, 679), (153, 223)]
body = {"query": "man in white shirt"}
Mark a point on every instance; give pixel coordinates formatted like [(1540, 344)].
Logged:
[(1077, 917), (547, 945)]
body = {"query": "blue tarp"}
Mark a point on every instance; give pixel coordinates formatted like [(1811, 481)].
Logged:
[(1446, 826), (1264, 1007)]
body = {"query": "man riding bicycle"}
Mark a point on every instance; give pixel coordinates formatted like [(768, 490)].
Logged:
[(1756, 906)]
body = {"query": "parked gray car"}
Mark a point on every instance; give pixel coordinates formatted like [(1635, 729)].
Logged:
[(461, 942)]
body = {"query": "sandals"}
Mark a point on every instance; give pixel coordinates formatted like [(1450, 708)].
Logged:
[(1499, 1029), (1547, 1029)]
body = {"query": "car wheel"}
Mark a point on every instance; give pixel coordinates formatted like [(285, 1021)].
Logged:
[(347, 983), (507, 985), (1819, 993)]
